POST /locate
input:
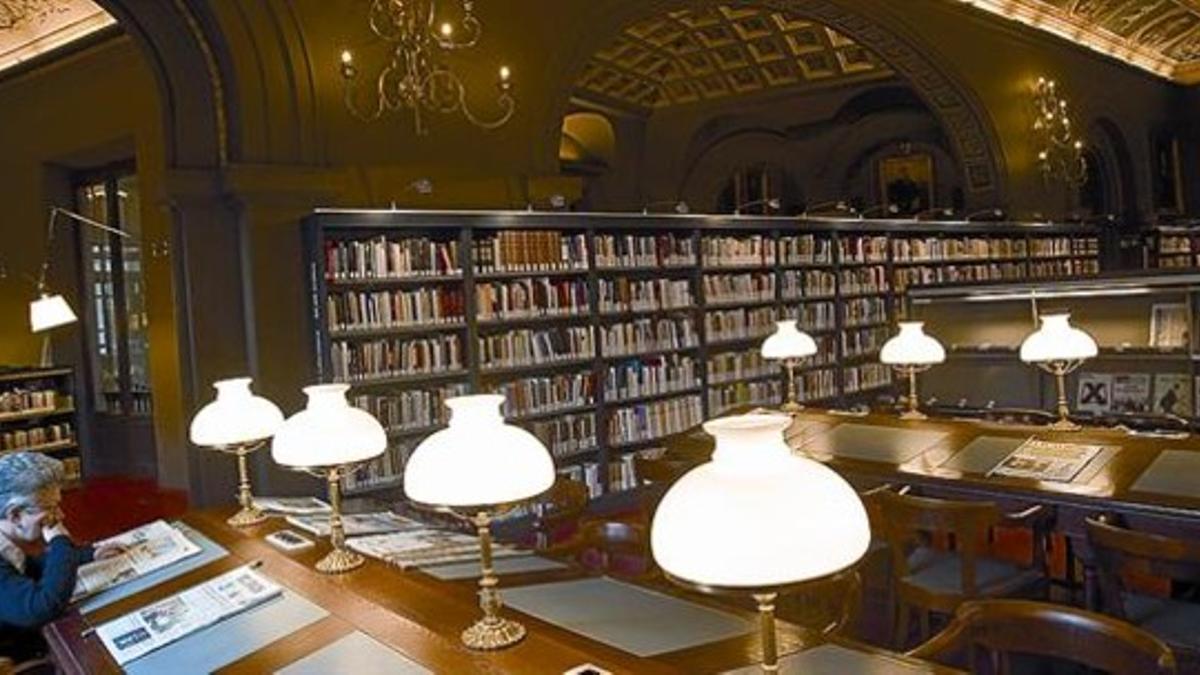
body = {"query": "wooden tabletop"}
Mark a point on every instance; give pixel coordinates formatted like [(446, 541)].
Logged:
[(410, 611)]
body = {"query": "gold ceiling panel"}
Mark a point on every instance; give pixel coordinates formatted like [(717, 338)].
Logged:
[(689, 56), (1161, 36), (32, 27)]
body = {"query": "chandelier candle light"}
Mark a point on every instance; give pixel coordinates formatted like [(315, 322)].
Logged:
[(475, 467), (327, 439), (789, 345), (237, 422), (911, 351), (757, 520), (1059, 151), (416, 77), (1059, 348)]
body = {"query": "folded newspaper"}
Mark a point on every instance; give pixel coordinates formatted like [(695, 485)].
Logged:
[(1046, 460), (155, 626), (425, 547), (148, 548), (291, 505), (355, 524)]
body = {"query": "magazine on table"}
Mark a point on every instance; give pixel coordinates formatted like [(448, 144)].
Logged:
[(425, 547), (1047, 460), (291, 505), (355, 524), (142, 631), (148, 548)]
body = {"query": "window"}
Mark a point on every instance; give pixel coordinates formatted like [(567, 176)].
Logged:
[(115, 290)]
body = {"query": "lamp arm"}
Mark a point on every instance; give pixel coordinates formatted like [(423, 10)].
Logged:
[(54, 213)]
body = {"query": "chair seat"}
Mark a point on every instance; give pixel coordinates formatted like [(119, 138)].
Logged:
[(1173, 621), (940, 573)]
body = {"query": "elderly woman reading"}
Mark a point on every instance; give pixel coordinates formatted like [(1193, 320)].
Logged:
[(34, 589)]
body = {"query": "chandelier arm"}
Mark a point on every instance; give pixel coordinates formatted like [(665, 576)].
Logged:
[(507, 104), (393, 30)]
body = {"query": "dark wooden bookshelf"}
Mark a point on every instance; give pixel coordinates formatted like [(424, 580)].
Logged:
[(19, 418)]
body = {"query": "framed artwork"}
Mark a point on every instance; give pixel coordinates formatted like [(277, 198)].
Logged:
[(1169, 325), (907, 182), (1166, 179)]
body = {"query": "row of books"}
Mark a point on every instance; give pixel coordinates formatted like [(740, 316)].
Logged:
[(729, 288), (650, 377), (866, 376), (526, 346), (1044, 247), (617, 476), (646, 335), (21, 399), (530, 251), (814, 385), (19, 439), (872, 279), (538, 395), (1177, 261), (638, 295), (806, 249), (382, 258), (740, 365), (957, 248), (747, 250), (407, 410), (392, 357), (863, 249), (385, 470), (531, 297), (816, 316), (864, 341), (1174, 244), (371, 310), (762, 393), (808, 284), (566, 435), (863, 311), (1064, 267), (648, 421), (664, 250), (739, 324), (950, 274)]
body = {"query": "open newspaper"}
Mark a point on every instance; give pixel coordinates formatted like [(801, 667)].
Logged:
[(1047, 460), (154, 626), (425, 547), (355, 524), (148, 548), (292, 505)]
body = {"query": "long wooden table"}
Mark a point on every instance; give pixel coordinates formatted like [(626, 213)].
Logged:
[(408, 611)]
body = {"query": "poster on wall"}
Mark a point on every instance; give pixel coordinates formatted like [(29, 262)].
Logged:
[(906, 182), (1172, 395), (1095, 392), (1131, 392)]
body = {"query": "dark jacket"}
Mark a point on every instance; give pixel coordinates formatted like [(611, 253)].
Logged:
[(29, 601)]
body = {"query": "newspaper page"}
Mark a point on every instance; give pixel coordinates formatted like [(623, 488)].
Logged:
[(1046, 460), (292, 505), (154, 626), (425, 547), (147, 548), (355, 524)]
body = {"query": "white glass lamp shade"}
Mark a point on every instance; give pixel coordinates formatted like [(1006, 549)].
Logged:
[(1058, 340), (912, 347), (477, 460), (235, 416), (788, 342), (328, 432), (50, 311), (757, 516)]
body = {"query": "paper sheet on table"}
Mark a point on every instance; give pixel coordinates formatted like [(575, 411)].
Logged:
[(148, 548)]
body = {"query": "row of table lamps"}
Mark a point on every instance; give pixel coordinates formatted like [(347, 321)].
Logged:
[(1056, 347), (755, 520)]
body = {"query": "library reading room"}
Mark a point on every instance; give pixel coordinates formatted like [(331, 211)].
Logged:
[(597, 337)]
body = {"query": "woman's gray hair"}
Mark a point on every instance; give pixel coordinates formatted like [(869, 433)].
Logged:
[(23, 475)]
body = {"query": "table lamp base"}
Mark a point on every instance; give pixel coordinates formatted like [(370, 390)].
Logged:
[(1064, 425), (493, 632), (913, 415), (247, 517), (339, 561)]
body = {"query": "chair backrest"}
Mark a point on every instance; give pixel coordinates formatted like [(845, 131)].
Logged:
[(998, 629), (918, 521), (829, 606), (659, 470), (614, 542), (1118, 550), (564, 502)]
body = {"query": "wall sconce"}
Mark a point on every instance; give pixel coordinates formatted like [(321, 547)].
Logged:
[(1059, 151)]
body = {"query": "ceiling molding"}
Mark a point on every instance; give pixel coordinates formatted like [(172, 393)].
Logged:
[(30, 28)]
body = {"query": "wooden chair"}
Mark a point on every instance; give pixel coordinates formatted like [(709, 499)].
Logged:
[(930, 579), (617, 548), (660, 470), (1117, 552), (829, 607), (560, 506), (989, 633)]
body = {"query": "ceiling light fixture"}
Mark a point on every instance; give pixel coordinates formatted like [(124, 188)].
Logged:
[(1059, 150), (416, 77)]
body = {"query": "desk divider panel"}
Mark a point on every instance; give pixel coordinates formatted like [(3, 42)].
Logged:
[(355, 653), (887, 445), (635, 620), (1173, 472), (830, 659), (502, 566)]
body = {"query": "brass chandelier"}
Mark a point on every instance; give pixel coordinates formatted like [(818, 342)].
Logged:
[(416, 77), (1059, 151)]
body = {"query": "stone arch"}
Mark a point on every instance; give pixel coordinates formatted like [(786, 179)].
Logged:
[(707, 175), (968, 126), (1109, 146)]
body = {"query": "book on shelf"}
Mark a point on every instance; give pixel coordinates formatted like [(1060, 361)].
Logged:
[(523, 347), (639, 295), (566, 435), (1046, 460), (1169, 325), (666, 250), (542, 394), (530, 251), (646, 335), (392, 357), (410, 409), (649, 421), (1172, 394), (649, 376), (806, 249), (422, 547), (383, 258), (738, 251), (147, 548), (354, 310), (355, 524), (732, 288), (530, 297)]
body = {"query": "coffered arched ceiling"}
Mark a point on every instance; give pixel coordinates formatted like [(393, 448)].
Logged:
[(1161, 36), (695, 55), (32, 27)]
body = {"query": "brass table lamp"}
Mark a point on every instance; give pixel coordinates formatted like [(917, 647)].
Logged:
[(911, 352), (1059, 348), (789, 345)]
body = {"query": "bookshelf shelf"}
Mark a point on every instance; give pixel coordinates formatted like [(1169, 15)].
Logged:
[(35, 414), (810, 269)]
